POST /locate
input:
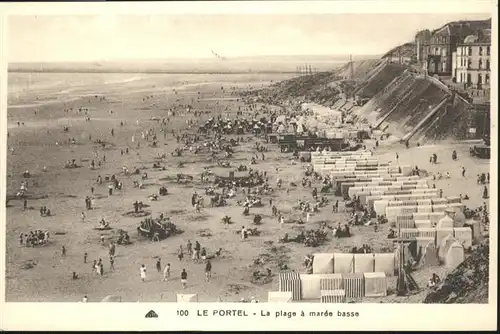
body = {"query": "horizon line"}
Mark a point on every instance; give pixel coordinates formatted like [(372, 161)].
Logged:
[(192, 58)]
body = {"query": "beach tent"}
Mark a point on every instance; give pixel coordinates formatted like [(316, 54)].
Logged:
[(429, 256), (442, 234), (323, 263), (364, 263), (187, 298), (454, 256), (312, 284), (445, 245), (279, 297), (290, 281), (464, 236), (333, 296), (331, 282), (354, 285), (343, 263), (384, 262), (445, 222), (375, 284), (111, 299)]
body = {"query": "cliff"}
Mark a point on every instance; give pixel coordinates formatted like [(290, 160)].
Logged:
[(407, 50)]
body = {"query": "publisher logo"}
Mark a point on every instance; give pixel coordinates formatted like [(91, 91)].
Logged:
[(151, 314)]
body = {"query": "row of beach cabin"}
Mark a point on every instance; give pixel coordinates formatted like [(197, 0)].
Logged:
[(433, 227)]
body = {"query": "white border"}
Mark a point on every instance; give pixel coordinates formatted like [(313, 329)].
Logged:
[(130, 316)]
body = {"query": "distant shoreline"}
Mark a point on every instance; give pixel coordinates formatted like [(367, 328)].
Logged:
[(147, 71)]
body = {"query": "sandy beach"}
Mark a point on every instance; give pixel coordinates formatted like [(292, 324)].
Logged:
[(48, 105)]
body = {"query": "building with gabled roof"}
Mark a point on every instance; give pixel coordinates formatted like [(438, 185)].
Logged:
[(435, 50)]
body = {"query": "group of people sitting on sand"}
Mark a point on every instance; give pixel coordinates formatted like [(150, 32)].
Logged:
[(103, 224), (251, 201), (34, 238), (305, 206), (365, 249), (44, 212), (341, 231), (138, 206), (483, 178), (433, 281)]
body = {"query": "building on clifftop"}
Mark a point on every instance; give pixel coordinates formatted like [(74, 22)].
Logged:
[(436, 51), (472, 63)]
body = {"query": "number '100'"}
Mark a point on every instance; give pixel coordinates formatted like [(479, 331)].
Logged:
[(183, 313)]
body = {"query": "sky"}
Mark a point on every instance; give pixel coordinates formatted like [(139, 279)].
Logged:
[(71, 38)]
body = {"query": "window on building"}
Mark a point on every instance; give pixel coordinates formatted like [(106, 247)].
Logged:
[(487, 50), (480, 50), (487, 79), (480, 63), (488, 64), (469, 63), (470, 51), (436, 51)]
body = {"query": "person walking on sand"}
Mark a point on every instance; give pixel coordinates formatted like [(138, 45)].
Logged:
[(208, 270), (189, 247), (197, 249), (25, 204), (243, 233), (111, 262), (158, 265), (463, 171), (63, 251), (83, 217), (180, 254), (85, 258), (184, 276), (94, 266), (143, 273), (166, 272)]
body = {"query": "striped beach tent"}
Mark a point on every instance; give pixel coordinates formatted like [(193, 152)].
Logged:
[(290, 281)]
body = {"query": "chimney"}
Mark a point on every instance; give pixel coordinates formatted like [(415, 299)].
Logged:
[(480, 34)]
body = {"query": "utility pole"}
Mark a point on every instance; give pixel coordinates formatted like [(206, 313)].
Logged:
[(352, 75)]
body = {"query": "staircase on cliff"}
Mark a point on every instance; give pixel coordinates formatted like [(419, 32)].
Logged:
[(426, 119)]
